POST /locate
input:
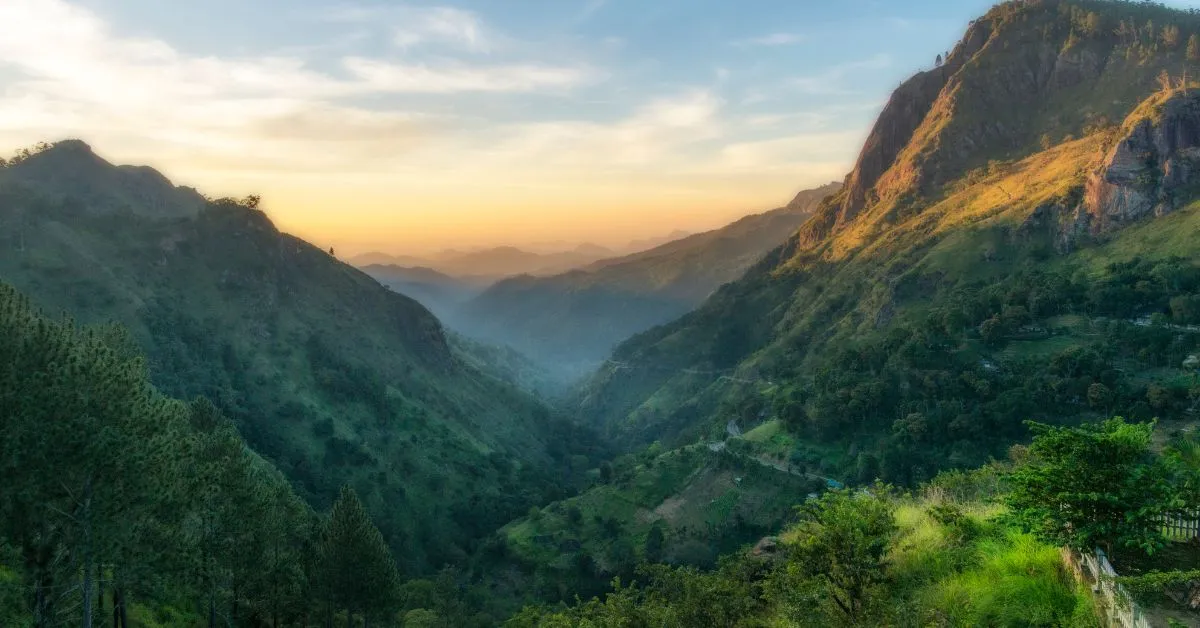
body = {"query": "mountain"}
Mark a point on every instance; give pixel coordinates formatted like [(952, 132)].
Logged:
[(491, 264), (1015, 217), (376, 258), (637, 246), (332, 377), (506, 261), (572, 321), (77, 175), (1018, 241), (439, 292)]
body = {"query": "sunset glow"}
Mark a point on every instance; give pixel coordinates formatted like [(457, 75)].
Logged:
[(411, 127)]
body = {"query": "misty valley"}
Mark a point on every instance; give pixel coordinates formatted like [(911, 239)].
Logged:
[(957, 386)]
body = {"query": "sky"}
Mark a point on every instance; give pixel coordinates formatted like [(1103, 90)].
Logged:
[(410, 127)]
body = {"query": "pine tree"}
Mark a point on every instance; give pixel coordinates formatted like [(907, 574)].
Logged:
[(359, 570), (83, 443), (1193, 48)]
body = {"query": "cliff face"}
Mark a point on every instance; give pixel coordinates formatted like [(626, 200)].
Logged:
[(1153, 168), (904, 113), (1024, 73)]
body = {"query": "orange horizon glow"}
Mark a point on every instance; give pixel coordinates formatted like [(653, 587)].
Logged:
[(412, 129)]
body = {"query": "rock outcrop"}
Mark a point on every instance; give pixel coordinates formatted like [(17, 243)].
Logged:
[(1154, 168)]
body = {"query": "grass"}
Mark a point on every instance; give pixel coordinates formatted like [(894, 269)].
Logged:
[(977, 572), (1016, 581), (1175, 235), (982, 573)]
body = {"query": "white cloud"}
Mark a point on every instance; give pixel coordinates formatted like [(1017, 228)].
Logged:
[(772, 39), (73, 76), (278, 119), (441, 25), (451, 77), (657, 134)]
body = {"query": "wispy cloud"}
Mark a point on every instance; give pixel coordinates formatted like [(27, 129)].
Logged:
[(657, 133), (443, 26), (831, 81), (419, 114), (72, 75), (772, 39), (452, 77)]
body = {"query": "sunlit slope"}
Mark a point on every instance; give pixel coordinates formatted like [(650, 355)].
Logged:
[(918, 320)]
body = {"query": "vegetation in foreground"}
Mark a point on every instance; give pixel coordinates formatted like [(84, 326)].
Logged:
[(977, 548)]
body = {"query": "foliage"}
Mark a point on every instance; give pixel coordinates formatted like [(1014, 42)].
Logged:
[(357, 564), (838, 556), (114, 492), (931, 575), (328, 375), (1097, 484)]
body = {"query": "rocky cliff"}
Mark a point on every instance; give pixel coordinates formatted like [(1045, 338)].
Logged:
[(1025, 74), (1153, 168)]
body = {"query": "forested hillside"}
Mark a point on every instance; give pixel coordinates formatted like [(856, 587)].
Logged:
[(570, 322), (328, 374), (121, 501), (1016, 241), (896, 401)]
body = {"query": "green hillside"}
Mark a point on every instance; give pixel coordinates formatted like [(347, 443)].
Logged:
[(331, 376), (570, 322), (979, 268)]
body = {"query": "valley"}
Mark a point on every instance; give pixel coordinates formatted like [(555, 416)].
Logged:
[(922, 395)]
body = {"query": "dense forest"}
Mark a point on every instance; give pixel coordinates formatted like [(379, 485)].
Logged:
[(904, 415)]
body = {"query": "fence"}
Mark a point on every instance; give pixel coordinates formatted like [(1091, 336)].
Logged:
[(1183, 528), (1113, 600)]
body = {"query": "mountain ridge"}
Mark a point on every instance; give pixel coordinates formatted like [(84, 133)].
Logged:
[(328, 374), (904, 227), (573, 320)]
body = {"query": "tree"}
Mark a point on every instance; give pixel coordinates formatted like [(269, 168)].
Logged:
[(1170, 36), (652, 550), (992, 331), (1096, 484), (1099, 396), (838, 560), (574, 515), (1193, 48), (87, 451), (938, 62), (359, 570), (1164, 81)]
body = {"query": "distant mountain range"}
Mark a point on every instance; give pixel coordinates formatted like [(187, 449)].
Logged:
[(572, 320), (494, 263), (439, 292)]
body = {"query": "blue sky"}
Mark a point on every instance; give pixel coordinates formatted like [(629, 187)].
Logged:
[(418, 125)]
